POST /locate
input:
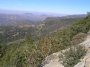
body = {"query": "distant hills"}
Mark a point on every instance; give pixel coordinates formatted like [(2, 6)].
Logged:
[(8, 17)]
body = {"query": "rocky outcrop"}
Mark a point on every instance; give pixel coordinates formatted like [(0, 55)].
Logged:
[(52, 61)]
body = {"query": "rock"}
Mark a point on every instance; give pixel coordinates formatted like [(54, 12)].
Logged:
[(87, 64), (80, 64), (52, 61)]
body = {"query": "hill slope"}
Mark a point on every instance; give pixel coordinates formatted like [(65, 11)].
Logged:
[(30, 53), (54, 61)]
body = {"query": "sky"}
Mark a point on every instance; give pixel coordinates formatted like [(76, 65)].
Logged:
[(53, 6)]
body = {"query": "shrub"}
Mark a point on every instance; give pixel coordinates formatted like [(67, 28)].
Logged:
[(72, 56), (78, 38)]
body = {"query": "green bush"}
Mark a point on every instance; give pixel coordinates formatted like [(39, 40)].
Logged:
[(72, 56), (78, 38)]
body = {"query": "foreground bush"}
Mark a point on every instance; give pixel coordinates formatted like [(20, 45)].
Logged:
[(72, 56)]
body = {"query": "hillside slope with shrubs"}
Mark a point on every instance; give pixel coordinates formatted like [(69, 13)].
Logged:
[(31, 53)]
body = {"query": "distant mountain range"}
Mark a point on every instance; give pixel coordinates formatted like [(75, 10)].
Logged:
[(8, 17)]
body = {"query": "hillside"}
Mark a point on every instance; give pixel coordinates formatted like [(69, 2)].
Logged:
[(31, 53), (54, 61), (52, 24)]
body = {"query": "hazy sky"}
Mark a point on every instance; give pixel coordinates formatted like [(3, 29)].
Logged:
[(54, 6)]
